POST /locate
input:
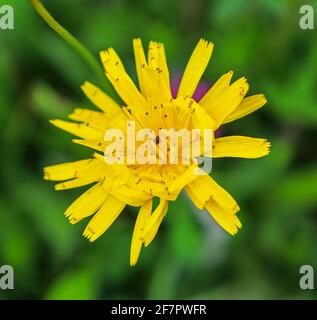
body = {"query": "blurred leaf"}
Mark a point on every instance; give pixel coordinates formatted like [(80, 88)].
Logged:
[(295, 98), (46, 208), (184, 232), (299, 188), (75, 285), (47, 103), (165, 277)]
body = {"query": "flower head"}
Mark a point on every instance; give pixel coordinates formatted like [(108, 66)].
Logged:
[(152, 106)]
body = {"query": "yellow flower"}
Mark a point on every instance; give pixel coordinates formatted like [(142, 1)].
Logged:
[(117, 185)]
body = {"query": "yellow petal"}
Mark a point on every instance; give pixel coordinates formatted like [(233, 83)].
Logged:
[(226, 219), (162, 63), (153, 223), (203, 188), (183, 115), (157, 190), (140, 63), (94, 144), (157, 60), (136, 243), (75, 183), (218, 88), (92, 172), (101, 100), (183, 179), (158, 88), (81, 130), (227, 101), (95, 119), (120, 172), (153, 55), (195, 68), (132, 197), (149, 172), (87, 204), (199, 191), (194, 197), (156, 78), (116, 59), (240, 147), (247, 106), (68, 170), (201, 119), (104, 218), (123, 84), (86, 115), (168, 115), (150, 237), (219, 194)]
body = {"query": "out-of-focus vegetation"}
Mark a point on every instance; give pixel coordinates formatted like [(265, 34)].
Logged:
[(40, 78)]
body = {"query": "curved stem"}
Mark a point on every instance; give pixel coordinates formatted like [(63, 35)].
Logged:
[(72, 41)]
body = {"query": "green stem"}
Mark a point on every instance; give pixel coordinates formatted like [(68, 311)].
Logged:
[(72, 41)]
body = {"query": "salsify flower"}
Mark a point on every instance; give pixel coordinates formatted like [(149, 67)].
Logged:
[(152, 106)]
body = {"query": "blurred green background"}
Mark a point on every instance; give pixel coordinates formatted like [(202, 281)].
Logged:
[(191, 258)]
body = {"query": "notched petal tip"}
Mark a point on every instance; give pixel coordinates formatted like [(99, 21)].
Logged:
[(46, 175), (205, 42), (59, 187), (77, 141), (263, 97), (89, 235), (237, 227), (73, 220), (268, 147), (147, 243), (85, 84), (227, 219), (70, 215), (104, 56), (133, 260)]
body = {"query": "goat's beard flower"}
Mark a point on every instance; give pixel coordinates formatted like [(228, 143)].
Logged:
[(118, 185)]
